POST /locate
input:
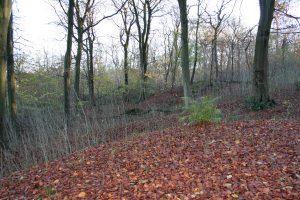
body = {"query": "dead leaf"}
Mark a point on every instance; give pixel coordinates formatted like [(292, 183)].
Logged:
[(82, 195)]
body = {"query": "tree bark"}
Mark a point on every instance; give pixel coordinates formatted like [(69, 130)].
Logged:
[(91, 71), (196, 45), (185, 52), (67, 62), (143, 28), (260, 70), (11, 81), (5, 13), (126, 66), (79, 55)]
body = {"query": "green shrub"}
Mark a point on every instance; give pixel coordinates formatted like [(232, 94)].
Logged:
[(204, 111), (256, 105)]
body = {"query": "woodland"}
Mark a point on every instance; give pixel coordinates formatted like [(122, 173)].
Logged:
[(188, 102)]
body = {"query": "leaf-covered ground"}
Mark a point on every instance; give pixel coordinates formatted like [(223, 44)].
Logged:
[(254, 159)]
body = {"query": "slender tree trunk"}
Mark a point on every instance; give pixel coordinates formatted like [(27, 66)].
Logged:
[(91, 69), (232, 62), (143, 64), (176, 64), (5, 13), (204, 50), (126, 67), (67, 63), (11, 81), (174, 56), (196, 45), (215, 57), (185, 53), (211, 65), (260, 79), (78, 56)]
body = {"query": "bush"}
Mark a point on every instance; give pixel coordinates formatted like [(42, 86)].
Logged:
[(204, 111), (255, 105)]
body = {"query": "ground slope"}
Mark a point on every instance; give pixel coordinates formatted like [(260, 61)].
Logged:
[(241, 160)]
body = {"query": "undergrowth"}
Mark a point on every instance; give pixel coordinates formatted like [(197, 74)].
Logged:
[(255, 105), (203, 111)]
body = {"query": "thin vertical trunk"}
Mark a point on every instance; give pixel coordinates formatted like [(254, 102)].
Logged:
[(232, 62), (204, 47), (143, 78), (283, 53), (91, 74), (174, 55), (260, 79), (215, 57), (67, 63), (11, 81), (126, 67), (78, 56), (196, 45), (185, 53), (5, 13), (176, 63), (211, 65)]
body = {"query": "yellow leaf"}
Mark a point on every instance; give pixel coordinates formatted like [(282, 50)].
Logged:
[(228, 185), (82, 195), (56, 181), (237, 142), (235, 196), (248, 174), (75, 174)]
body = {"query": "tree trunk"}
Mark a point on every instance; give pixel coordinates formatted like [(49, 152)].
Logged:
[(185, 53), (78, 56), (90, 55), (5, 13), (196, 45), (260, 82), (215, 58), (174, 56), (126, 67), (143, 65), (67, 63), (232, 62), (91, 72), (11, 81)]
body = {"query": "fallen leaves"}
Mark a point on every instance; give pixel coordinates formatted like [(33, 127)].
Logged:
[(257, 160), (82, 195)]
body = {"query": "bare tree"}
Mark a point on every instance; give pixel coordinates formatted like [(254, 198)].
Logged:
[(175, 52), (82, 8), (91, 37), (68, 61), (185, 66), (216, 22), (260, 69), (144, 11), (198, 20), (5, 13), (11, 81), (127, 23)]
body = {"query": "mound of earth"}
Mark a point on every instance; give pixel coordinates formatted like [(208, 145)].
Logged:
[(255, 159)]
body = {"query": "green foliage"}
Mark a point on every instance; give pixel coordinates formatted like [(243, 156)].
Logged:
[(39, 90), (204, 111), (255, 105), (49, 191)]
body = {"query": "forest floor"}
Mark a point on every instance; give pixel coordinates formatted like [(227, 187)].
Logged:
[(251, 155)]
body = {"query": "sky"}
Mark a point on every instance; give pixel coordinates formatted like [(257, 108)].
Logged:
[(37, 17)]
